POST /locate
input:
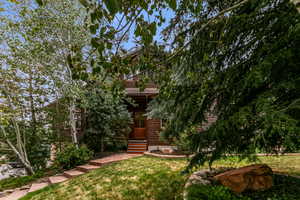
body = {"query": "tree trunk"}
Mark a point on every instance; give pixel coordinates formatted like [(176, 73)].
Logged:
[(72, 111), (19, 152), (19, 148)]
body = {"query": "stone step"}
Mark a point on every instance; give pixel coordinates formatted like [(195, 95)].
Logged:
[(25, 187), (57, 179), (17, 194), (72, 173), (37, 186), (87, 167), (102, 162), (135, 151), (96, 163), (137, 141), (142, 146)]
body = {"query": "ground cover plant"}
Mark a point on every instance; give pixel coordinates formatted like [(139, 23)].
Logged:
[(144, 178), (14, 182), (284, 188)]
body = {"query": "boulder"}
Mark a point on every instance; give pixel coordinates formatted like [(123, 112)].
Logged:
[(253, 177), (7, 171)]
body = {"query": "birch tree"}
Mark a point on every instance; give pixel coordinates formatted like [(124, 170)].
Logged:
[(35, 52)]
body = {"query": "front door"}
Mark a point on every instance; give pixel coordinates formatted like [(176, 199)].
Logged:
[(139, 129)]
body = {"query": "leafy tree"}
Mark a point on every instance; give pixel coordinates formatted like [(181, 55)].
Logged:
[(239, 63), (107, 116), (235, 60), (36, 47)]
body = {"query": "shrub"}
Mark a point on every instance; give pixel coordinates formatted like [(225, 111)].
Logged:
[(71, 157)]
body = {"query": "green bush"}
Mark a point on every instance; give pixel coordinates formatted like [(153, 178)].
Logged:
[(71, 157), (284, 188), (207, 192)]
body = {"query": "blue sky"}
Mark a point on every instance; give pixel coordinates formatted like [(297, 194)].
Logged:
[(168, 14)]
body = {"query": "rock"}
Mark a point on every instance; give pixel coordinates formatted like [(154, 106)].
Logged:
[(253, 177), (7, 171), (203, 177), (9, 191), (25, 187), (2, 194), (167, 150), (3, 158)]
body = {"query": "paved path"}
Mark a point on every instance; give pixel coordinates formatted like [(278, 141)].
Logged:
[(66, 175)]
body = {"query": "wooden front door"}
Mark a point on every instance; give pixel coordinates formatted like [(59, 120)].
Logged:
[(139, 129)]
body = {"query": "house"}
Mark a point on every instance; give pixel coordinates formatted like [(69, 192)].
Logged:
[(145, 134)]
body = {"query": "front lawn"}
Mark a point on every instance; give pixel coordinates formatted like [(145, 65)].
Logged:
[(142, 178)]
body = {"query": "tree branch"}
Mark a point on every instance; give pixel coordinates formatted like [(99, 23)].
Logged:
[(205, 25)]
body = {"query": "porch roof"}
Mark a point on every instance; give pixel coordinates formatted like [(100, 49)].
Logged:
[(137, 92)]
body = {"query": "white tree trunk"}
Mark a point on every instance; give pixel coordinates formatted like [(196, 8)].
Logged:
[(19, 148), (72, 120)]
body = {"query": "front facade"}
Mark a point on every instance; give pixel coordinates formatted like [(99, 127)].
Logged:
[(145, 134)]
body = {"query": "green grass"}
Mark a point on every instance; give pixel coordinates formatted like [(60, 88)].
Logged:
[(10, 183), (143, 178)]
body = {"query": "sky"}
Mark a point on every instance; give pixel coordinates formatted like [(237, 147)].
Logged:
[(168, 14)]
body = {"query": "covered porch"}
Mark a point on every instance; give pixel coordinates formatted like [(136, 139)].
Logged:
[(141, 128)]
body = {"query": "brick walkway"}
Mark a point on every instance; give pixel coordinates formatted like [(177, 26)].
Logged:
[(66, 175)]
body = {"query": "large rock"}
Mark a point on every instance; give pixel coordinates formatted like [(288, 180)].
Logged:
[(253, 177), (7, 171)]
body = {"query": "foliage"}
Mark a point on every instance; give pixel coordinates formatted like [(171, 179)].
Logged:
[(208, 192), (71, 156), (247, 76), (11, 183), (107, 117), (35, 46), (116, 145), (237, 60), (284, 188)]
